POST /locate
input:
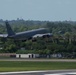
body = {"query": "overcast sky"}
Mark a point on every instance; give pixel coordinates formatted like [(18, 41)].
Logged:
[(52, 10)]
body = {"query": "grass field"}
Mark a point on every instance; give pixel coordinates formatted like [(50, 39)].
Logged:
[(27, 66)]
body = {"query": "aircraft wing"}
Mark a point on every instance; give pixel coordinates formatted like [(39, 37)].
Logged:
[(41, 35)]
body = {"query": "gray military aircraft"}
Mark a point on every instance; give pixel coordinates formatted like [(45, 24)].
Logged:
[(23, 35)]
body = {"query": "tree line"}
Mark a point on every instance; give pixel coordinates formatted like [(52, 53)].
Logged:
[(63, 40)]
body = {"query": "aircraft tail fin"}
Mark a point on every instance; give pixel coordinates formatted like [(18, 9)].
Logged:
[(9, 29)]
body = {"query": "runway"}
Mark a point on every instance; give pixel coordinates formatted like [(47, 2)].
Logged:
[(49, 72), (40, 60)]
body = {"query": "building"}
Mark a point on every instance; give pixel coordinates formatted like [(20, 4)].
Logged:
[(27, 55), (6, 55), (56, 55)]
